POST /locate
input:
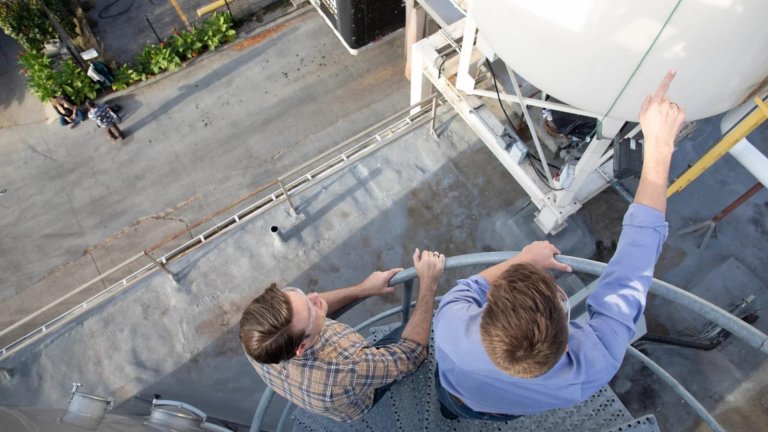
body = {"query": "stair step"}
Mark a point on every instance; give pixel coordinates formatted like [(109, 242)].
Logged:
[(411, 405), (641, 424)]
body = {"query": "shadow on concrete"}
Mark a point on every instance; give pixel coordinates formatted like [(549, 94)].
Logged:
[(296, 230), (219, 379), (13, 88), (18, 106), (122, 25), (197, 88), (128, 103)]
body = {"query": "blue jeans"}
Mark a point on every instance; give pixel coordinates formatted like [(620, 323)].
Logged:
[(392, 337), (453, 405), (78, 118)]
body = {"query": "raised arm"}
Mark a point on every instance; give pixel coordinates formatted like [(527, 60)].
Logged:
[(660, 120), (619, 300)]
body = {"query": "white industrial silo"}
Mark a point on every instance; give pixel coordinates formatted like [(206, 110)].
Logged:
[(605, 56)]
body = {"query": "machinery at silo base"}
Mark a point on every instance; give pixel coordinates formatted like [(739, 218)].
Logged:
[(87, 412)]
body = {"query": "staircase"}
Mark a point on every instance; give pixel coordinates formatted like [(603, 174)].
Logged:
[(411, 405)]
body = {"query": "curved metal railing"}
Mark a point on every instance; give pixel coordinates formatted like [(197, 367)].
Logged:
[(737, 327)]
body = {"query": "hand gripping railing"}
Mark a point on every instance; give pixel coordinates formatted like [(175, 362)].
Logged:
[(737, 327)]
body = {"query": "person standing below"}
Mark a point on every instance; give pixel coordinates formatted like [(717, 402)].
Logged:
[(105, 118), (67, 110), (504, 342), (324, 366)]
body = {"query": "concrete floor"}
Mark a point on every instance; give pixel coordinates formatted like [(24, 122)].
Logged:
[(198, 139), (124, 27), (368, 217), (179, 339)]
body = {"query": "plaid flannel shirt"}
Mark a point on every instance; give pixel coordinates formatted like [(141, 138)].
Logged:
[(336, 377)]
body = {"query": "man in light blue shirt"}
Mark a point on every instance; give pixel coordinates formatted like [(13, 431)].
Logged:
[(505, 345)]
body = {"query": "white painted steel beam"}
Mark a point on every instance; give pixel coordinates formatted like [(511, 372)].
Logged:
[(551, 218)]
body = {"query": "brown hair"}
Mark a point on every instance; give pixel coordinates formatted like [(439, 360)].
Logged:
[(523, 327), (265, 327)]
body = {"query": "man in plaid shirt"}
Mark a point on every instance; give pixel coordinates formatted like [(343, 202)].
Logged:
[(325, 366)]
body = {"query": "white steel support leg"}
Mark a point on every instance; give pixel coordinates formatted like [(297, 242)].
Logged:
[(464, 80), (415, 19), (588, 164), (420, 88)]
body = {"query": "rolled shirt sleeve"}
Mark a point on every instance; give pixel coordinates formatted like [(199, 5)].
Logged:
[(619, 300), (378, 366)]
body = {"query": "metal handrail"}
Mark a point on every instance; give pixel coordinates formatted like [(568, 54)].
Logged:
[(695, 405), (737, 327), (274, 196)]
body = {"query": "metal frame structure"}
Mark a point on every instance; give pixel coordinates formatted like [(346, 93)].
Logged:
[(271, 195), (555, 199), (737, 327)]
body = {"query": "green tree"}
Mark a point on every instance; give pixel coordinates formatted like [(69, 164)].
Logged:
[(27, 23), (45, 81)]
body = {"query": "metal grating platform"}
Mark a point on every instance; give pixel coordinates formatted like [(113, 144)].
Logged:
[(643, 424), (411, 405)]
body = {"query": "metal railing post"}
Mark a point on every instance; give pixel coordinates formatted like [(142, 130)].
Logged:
[(160, 265), (261, 410), (287, 197), (407, 295), (738, 328), (434, 117)]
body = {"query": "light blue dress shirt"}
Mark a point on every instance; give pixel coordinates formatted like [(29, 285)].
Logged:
[(595, 347)]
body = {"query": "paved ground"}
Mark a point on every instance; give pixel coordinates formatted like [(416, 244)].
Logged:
[(125, 27), (198, 139)]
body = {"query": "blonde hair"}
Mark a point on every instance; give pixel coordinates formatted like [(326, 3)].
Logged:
[(523, 327)]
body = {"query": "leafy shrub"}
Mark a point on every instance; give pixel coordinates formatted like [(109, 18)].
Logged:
[(46, 82), (74, 82), (185, 45), (126, 75), (27, 23), (40, 76), (216, 30), (157, 59)]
